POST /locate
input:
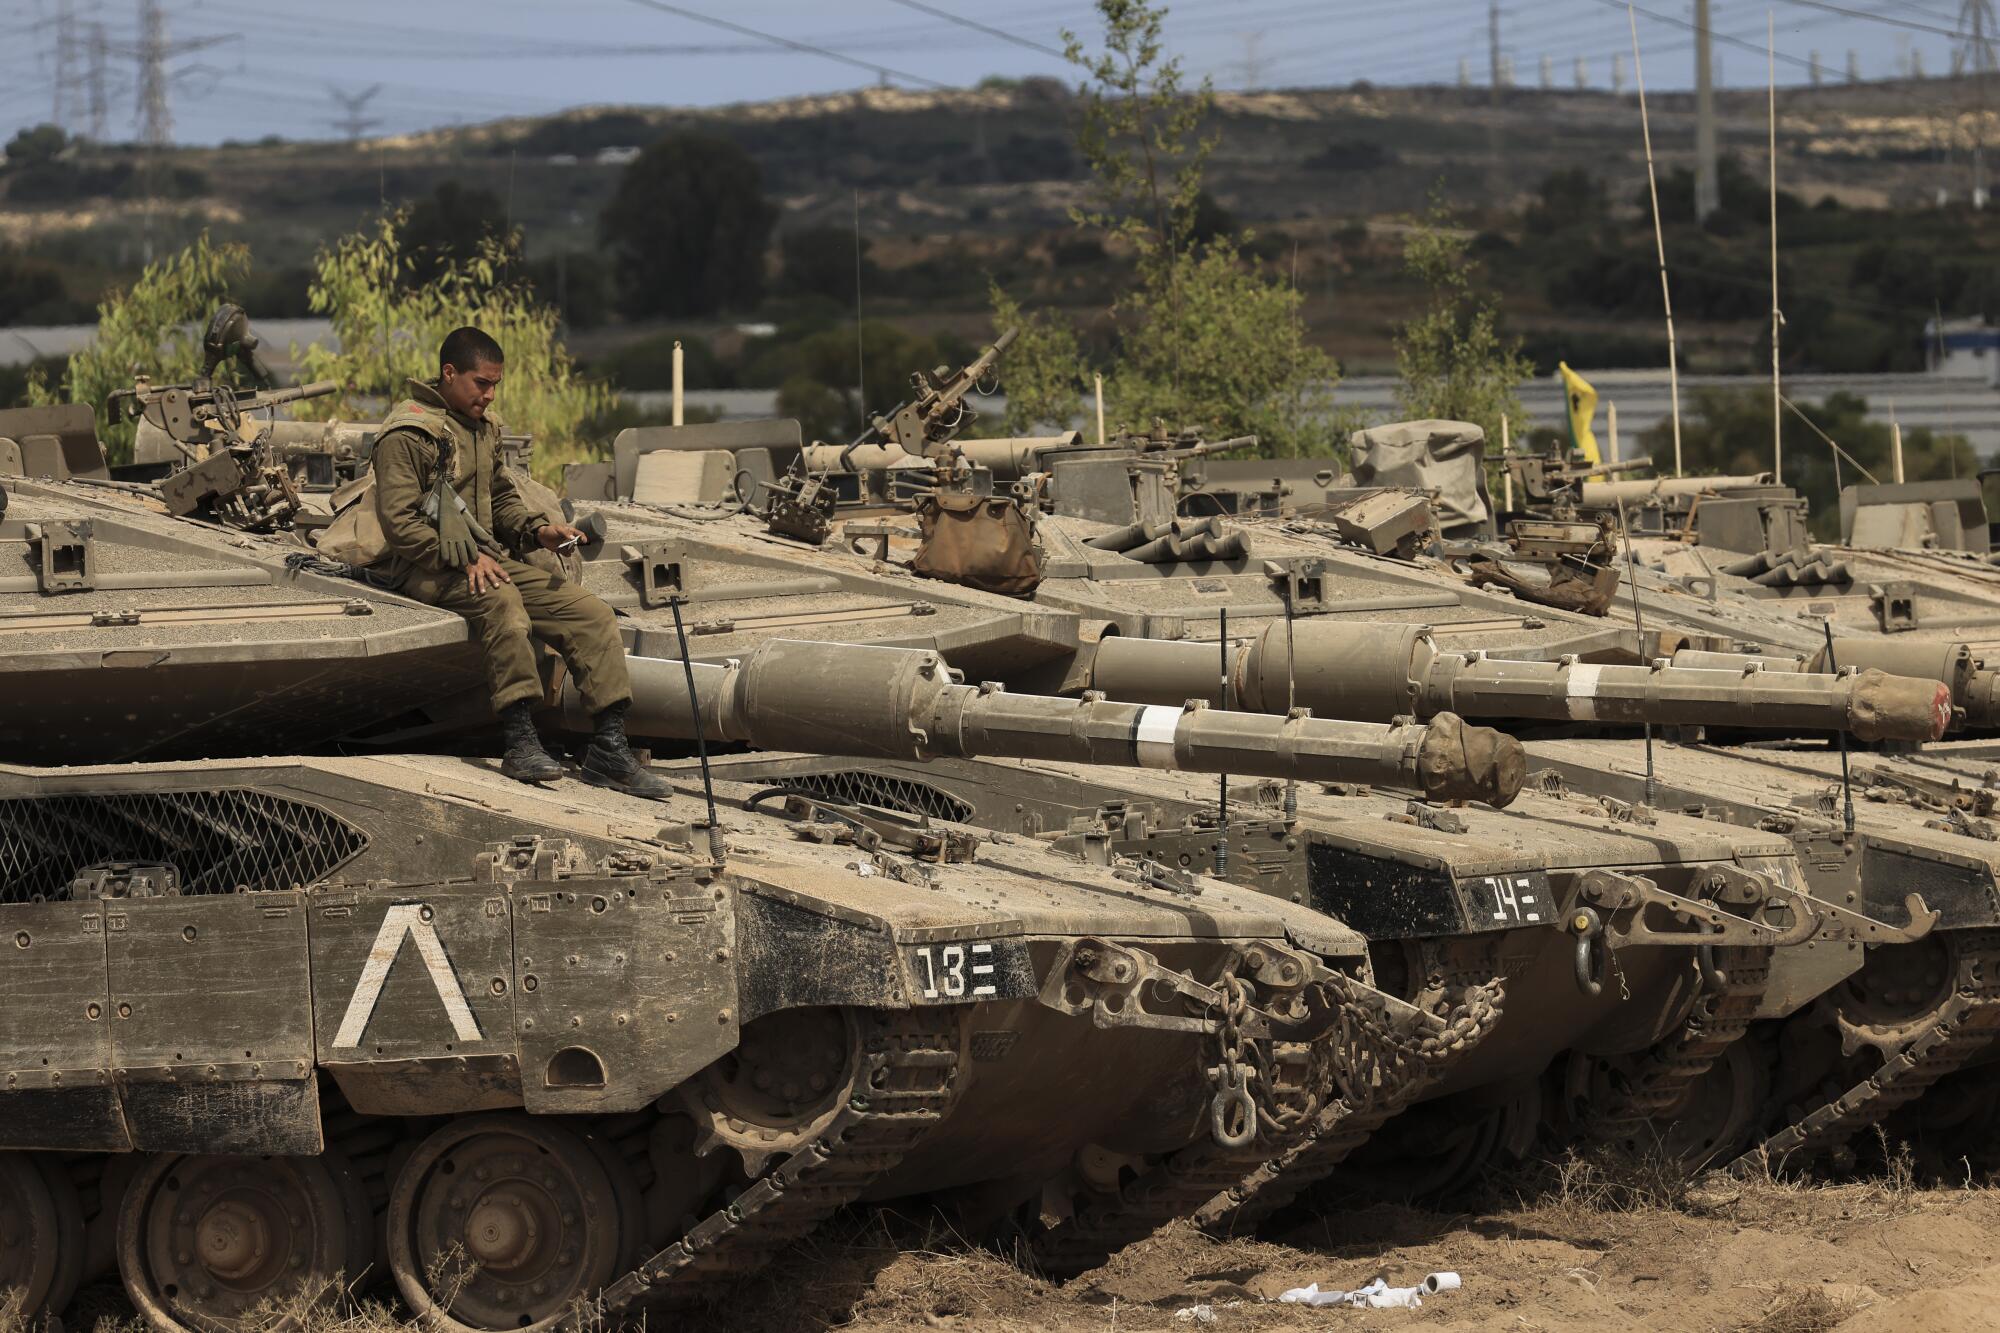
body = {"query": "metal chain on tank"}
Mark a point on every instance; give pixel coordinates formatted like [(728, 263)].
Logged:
[(1379, 1070), (1252, 1089), (1733, 984)]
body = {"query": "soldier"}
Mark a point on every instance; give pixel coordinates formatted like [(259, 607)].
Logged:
[(453, 519)]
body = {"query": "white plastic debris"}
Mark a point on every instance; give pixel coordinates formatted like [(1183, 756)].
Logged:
[(1202, 1314), (1377, 1295)]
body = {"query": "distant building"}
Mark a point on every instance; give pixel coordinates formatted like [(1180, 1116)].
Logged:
[(1962, 349)]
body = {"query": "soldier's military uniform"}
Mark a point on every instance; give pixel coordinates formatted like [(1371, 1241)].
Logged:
[(418, 438)]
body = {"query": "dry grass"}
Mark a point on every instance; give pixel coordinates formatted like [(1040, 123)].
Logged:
[(1800, 1310)]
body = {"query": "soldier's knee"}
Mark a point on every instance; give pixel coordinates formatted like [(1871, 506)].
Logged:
[(499, 610)]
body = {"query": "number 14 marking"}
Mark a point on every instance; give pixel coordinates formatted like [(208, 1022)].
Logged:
[(1511, 899), (948, 966)]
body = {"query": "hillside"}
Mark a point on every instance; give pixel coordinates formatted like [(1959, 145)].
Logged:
[(952, 187)]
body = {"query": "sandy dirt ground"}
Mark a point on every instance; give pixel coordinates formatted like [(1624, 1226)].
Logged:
[(1572, 1247)]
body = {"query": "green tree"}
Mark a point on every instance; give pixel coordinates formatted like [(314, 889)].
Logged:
[(36, 145), (820, 261), (1728, 432), (389, 330), (688, 228), (1451, 357), (451, 225), (819, 388), (1042, 372), (153, 329), (1205, 338)]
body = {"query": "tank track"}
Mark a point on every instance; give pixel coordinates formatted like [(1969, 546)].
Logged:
[(1664, 1072), (1176, 1186), (1391, 1068), (1343, 1126), (1962, 1027), (907, 1085)]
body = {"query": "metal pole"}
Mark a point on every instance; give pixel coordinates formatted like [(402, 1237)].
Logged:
[(1707, 187), (1777, 319), (715, 847), (1222, 779), (679, 384), (1659, 241)]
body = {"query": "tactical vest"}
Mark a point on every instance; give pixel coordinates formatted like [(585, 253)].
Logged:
[(467, 453)]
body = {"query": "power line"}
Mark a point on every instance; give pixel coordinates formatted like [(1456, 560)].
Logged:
[(1872, 17), (977, 26), (881, 71)]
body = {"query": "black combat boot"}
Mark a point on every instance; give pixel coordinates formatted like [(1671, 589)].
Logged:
[(610, 762), (525, 760)]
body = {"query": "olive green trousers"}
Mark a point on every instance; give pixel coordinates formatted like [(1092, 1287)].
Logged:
[(548, 606)]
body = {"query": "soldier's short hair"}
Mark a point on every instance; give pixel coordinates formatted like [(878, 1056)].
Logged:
[(466, 347)]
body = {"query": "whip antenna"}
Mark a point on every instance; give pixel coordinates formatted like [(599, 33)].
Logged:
[(1846, 784), (700, 739), (1639, 628), (1222, 780), (1291, 697)]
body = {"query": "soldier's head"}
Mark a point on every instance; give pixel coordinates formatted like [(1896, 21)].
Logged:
[(469, 365)]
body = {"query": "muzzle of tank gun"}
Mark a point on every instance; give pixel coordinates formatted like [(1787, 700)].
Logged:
[(1378, 672), (896, 703)]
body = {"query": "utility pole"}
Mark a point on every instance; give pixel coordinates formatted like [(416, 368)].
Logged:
[(62, 98), (156, 118), (354, 124), (1975, 58), (1617, 72), (154, 114), (1707, 188), (1817, 73), (1853, 66), (100, 55), (1493, 49), (1582, 75)]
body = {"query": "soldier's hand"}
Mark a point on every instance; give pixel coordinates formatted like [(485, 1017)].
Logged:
[(556, 536), (484, 573)]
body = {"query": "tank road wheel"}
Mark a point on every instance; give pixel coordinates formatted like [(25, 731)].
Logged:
[(787, 1078), (1892, 998), (205, 1241), (1720, 1112), (502, 1221), (32, 1240)]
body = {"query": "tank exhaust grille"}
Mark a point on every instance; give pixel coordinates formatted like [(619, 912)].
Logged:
[(220, 840), (853, 787)]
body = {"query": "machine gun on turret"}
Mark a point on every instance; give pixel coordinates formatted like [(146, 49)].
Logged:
[(229, 464), (925, 424)]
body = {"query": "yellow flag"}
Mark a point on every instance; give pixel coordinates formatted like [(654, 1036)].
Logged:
[(1582, 411)]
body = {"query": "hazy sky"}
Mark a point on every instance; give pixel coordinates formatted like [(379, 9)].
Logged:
[(471, 60)]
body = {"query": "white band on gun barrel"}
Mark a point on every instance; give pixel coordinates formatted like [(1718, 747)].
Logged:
[(1153, 741), (1583, 692)]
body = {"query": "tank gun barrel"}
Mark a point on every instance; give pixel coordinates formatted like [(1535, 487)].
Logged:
[(1376, 672), (899, 703), (278, 397), (1974, 686)]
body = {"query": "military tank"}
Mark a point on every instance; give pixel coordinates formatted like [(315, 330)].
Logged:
[(519, 1048), (1338, 617)]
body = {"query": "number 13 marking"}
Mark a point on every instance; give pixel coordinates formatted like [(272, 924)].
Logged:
[(949, 966)]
